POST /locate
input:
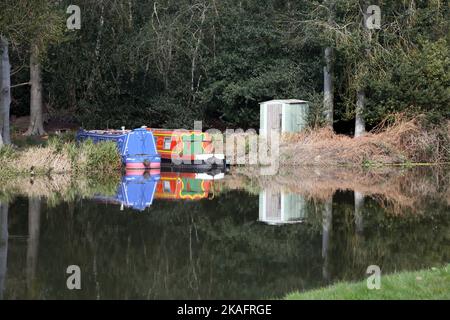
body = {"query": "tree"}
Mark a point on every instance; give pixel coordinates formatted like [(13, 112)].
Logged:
[(36, 126), (328, 86), (3, 245), (48, 28), (5, 92), (29, 25), (360, 123)]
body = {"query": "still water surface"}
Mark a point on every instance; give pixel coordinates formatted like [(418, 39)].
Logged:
[(179, 236)]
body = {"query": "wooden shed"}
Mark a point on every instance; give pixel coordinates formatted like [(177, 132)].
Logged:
[(289, 115)]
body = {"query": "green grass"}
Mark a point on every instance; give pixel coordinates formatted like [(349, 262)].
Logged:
[(424, 284)]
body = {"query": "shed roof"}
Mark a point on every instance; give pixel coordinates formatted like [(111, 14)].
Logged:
[(285, 101)]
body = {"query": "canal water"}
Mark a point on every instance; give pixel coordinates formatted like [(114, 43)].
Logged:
[(185, 236)]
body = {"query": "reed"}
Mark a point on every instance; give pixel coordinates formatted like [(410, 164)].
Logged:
[(60, 156)]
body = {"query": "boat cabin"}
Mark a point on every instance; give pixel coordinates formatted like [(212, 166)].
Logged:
[(191, 147), (137, 147)]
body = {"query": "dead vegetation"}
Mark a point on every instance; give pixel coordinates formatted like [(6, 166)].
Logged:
[(397, 142), (60, 157), (42, 159)]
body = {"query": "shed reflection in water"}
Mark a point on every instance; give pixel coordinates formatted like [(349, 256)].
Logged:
[(281, 207)]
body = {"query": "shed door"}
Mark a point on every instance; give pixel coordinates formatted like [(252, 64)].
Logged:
[(274, 117)]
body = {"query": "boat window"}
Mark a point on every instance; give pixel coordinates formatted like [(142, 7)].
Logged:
[(166, 186), (167, 143)]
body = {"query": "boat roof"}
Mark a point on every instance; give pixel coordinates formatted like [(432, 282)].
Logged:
[(285, 101), (181, 129), (109, 131)]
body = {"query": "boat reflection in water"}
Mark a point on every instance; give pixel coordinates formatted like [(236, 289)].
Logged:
[(137, 189), (277, 208), (187, 185)]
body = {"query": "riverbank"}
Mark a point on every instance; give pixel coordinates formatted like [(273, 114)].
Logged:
[(404, 141), (429, 284), (58, 156)]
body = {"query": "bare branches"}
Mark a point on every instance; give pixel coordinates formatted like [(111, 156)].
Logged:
[(21, 84)]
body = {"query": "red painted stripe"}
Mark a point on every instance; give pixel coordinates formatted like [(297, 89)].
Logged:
[(154, 171), (136, 165), (154, 165), (134, 172)]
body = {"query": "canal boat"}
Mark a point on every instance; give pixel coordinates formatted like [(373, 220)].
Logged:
[(136, 147), (192, 148)]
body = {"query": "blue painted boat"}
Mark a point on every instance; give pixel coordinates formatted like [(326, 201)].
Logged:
[(134, 191), (137, 147)]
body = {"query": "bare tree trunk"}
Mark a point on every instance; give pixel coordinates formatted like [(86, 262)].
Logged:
[(34, 217), (36, 121), (327, 223), (360, 123), (328, 85), (328, 90), (5, 92), (3, 246), (100, 30)]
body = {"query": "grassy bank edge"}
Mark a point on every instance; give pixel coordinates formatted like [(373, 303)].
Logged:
[(427, 284), (58, 156)]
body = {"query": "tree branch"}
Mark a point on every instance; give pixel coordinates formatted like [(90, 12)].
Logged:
[(20, 84)]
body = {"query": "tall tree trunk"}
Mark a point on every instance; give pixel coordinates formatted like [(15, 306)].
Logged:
[(34, 217), (36, 121), (360, 123), (328, 85), (3, 246), (328, 90), (5, 92), (327, 222)]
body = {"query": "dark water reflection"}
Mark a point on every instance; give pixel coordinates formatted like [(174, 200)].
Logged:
[(197, 240)]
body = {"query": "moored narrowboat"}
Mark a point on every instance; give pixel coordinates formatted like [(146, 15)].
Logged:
[(187, 147), (136, 147)]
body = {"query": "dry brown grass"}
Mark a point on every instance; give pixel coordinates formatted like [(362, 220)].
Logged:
[(44, 159), (402, 141)]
